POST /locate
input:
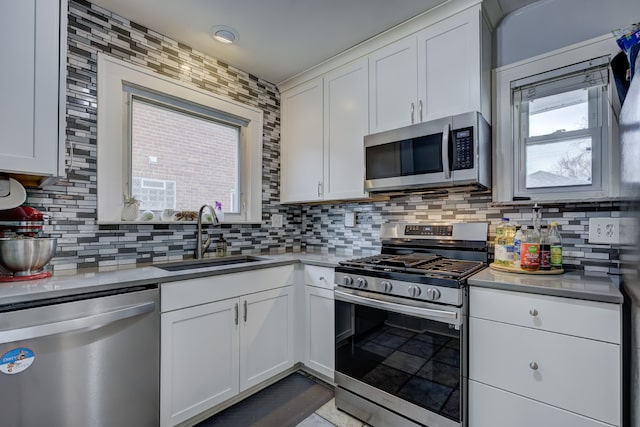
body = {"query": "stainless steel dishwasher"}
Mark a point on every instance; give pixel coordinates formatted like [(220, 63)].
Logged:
[(82, 360)]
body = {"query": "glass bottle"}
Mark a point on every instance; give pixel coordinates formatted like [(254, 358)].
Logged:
[(555, 246), (504, 243), (530, 250), (517, 241), (545, 249)]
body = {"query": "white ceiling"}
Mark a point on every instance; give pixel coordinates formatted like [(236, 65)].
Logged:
[(277, 38)]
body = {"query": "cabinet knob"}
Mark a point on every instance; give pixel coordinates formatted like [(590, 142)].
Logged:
[(533, 312), (534, 366)]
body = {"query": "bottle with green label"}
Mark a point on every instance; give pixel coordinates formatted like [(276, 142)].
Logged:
[(530, 250), (555, 246)]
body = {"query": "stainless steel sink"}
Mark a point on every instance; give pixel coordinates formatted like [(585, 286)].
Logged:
[(208, 262)]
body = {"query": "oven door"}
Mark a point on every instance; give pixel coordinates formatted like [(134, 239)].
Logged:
[(406, 356)]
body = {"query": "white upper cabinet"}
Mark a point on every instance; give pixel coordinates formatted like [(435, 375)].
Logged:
[(345, 125), (393, 85), (301, 144), (324, 122), (439, 71), (450, 67), (33, 87)]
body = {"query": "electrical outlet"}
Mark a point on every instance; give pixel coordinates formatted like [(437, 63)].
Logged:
[(614, 231), (276, 220), (349, 219)]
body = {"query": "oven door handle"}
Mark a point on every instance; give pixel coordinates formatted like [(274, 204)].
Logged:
[(445, 316)]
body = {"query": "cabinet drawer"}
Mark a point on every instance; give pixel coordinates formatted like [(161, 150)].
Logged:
[(589, 319), (318, 276), (491, 407), (576, 374)]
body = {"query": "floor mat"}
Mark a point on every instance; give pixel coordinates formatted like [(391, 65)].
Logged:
[(283, 404)]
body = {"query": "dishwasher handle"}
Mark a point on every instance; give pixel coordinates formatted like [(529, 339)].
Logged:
[(93, 321)]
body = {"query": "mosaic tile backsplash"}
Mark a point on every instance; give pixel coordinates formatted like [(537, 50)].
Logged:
[(319, 228)]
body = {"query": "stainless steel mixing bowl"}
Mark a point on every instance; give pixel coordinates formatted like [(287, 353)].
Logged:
[(28, 255)]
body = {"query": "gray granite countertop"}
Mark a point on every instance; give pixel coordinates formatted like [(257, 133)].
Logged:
[(67, 283), (576, 284)]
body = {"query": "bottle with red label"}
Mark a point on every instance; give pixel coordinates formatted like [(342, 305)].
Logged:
[(530, 249)]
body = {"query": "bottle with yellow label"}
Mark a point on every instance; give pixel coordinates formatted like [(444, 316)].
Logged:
[(555, 246)]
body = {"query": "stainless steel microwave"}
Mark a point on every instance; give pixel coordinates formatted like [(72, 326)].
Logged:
[(448, 152)]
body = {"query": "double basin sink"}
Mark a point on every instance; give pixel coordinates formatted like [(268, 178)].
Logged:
[(208, 262)]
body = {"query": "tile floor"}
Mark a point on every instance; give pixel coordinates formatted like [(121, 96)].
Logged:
[(330, 416)]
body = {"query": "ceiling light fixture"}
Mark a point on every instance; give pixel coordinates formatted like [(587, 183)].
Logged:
[(224, 34)]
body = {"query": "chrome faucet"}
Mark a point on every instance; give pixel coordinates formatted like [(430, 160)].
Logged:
[(201, 247)]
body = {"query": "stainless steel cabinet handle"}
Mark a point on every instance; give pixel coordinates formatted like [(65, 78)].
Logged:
[(319, 189), (534, 366), (245, 311), (420, 109), (88, 322), (413, 107), (236, 317), (533, 312)]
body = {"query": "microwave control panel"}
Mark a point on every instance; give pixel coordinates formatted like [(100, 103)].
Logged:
[(462, 149)]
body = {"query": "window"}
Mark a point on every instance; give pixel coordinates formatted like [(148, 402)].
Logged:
[(174, 146), (559, 126), (554, 126), (180, 154)]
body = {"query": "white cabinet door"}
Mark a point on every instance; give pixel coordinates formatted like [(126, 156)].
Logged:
[(576, 374), (492, 407), (346, 122), (199, 359), (320, 333), (449, 68), (393, 86), (301, 145), (266, 336), (31, 129)]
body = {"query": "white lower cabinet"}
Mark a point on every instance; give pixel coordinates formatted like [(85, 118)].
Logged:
[(524, 372), (199, 359), (319, 334), (211, 352), (266, 335)]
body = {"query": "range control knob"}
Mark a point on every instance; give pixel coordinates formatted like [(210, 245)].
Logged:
[(347, 281), (361, 283), (433, 294), (386, 286), (414, 291)]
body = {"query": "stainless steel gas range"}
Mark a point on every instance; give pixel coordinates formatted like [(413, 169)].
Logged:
[(401, 325)]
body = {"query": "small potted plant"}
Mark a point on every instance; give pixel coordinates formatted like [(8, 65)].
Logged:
[(130, 208)]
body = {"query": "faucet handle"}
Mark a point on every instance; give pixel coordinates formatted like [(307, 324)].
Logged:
[(206, 243)]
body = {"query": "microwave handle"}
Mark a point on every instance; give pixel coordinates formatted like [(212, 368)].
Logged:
[(445, 151)]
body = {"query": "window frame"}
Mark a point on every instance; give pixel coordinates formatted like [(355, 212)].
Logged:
[(508, 172), (113, 134), (597, 131)]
